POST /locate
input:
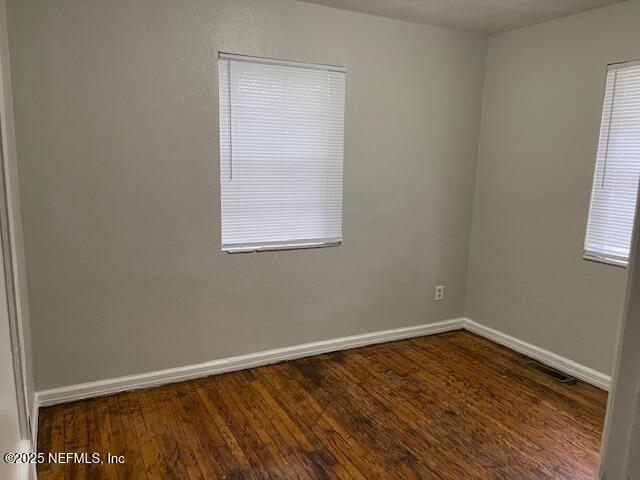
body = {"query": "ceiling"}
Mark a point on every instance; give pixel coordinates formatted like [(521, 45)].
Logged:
[(486, 16)]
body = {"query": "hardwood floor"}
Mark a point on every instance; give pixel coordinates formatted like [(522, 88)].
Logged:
[(449, 406)]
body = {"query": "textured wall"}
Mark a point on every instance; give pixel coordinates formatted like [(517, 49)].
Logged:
[(116, 118), (544, 88)]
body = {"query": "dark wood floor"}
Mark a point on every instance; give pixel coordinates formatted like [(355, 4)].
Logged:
[(451, 406)]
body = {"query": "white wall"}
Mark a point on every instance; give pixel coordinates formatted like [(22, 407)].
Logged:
[(116, 122), (541, 112)]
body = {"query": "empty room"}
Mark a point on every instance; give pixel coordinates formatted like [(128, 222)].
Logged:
[(319, 239)]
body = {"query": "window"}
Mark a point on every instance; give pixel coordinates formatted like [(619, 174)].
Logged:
[(281, 153), (615, 182)]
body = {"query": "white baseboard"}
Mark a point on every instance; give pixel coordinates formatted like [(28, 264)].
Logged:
[(551, 359), (82, 391)]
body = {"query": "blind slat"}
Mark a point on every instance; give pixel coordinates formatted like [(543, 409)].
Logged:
[(615, 182), (281, 153)]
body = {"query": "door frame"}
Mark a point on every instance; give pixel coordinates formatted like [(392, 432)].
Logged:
[(15, 327), (622, 423)]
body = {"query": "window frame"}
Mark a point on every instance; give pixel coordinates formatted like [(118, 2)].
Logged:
[(299, 244), (589, 255)]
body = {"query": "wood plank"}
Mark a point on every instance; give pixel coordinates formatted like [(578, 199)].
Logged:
[(448, 406)]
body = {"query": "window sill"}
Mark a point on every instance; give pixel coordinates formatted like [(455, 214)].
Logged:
[(273, 248), (608, 261)]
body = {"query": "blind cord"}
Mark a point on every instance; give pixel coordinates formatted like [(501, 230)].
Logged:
[(606, 148), (230, 122)]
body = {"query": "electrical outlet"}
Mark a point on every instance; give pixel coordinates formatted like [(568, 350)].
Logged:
[(439, 295)]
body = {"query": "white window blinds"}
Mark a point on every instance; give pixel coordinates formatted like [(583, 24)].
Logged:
[(281, 153), (615, 183)]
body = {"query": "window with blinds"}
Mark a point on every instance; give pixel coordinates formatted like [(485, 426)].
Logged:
[(615, 182), (281, 153)]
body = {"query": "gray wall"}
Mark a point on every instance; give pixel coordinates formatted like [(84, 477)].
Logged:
[(542, 102), (116, 119)]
